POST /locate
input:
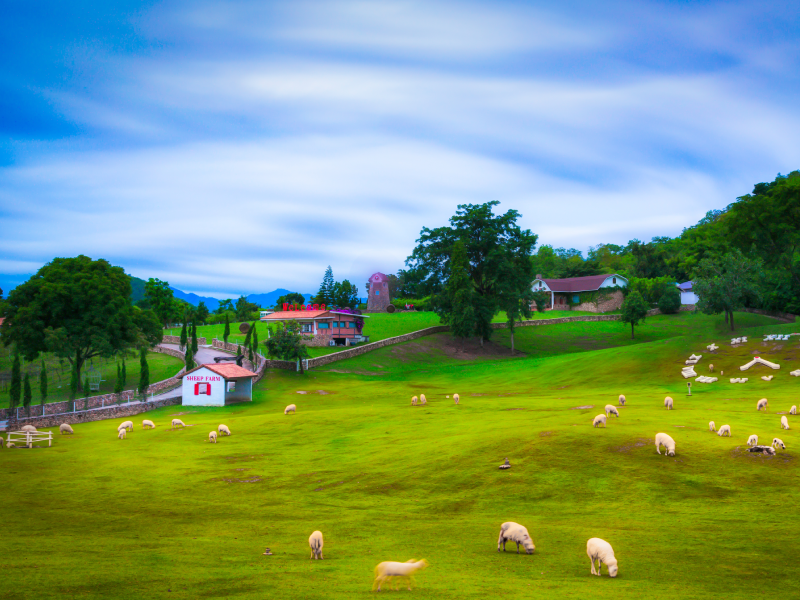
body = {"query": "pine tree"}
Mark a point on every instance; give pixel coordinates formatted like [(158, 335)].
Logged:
[(124, 375), (16, 382), (184, 336), (43, 385), (27, 394), (227, 328), (144, 373), (255, 340), (459, 295), (247, 337), (194, 338), (325, 293), (118, 384), (189, 359)]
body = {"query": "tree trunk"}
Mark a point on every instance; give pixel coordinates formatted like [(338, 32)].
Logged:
[(631, 330), (731, 320), (512, 342), (726, 316)]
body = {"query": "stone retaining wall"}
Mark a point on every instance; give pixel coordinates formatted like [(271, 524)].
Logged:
[(176, 339), (169, 351), (99, 414), (286, 365), (781, 316)]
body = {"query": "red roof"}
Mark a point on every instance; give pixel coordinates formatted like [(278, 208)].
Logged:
[(378, 277), (227, 371), (295, 314), (590, 283)]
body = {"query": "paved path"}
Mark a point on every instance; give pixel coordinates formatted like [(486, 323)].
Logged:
[(205, 355)]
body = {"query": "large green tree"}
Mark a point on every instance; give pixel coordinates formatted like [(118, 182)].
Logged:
[(345, 294), (77, 308), (459, 312), (514, 293), (245, 308), (634, 310), (490, 241), (727, 284), (201, 312), (160, 297), (287, 344), (290, 298)]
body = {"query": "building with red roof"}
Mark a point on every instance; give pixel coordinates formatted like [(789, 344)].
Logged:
[(324, 327), (217, 385), (595, 293)]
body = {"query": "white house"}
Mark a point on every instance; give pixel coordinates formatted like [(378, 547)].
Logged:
[(217, 385), (687, 293)]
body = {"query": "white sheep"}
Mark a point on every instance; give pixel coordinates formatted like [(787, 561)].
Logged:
[(762, 404), (388, 570), (212, 436), (315, 541), (290, 409), (413, 401), (599, 419), (784, 422), (611, 410), (177, 423), (11, 445), (30, 428), (122, 433), (793, 410), (668, 403), (146, 423), (602, 552), (423, 399), (64, 428), (515, 533), (622, 400), (752, 440), (223, 430), (456, 398), (724, 431), (712, 426), (1, 441), (778, 443), (126, 425), (662, 439)]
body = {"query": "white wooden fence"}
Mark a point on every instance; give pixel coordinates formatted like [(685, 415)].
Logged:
[(28, 438)]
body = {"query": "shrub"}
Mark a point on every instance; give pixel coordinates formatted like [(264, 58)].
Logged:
[(670, 302)]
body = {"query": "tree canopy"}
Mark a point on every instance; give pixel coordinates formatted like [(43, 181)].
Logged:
[(77, 308), (491, 241), (286, 343), (724, 285), (160, 298)]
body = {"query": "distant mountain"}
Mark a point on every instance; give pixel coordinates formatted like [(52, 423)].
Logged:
[(269, 300), (194, 299)]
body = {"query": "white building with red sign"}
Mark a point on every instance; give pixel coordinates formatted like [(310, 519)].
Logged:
[(217, 385)]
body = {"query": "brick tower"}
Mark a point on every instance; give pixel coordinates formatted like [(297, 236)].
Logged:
[(378, 292)]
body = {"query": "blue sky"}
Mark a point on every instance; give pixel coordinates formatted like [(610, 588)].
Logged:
[(238, 147)]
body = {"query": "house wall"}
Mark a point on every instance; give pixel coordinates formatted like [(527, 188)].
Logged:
[(217, 383), (605, 302), (242, 393), (689, 298)]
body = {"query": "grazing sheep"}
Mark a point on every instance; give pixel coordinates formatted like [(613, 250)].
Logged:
[(515, 533), (711, 368), (711, 426), (456, 398), (611, 410), (752, 440), (778, 443), (64, 428), (223, 430), (413, 401), (1, 442), (11, 445), (602, 552), (386, 571), (290, 409), (212, 436), (315, 541), (177, 423), (724, 431), (146, 423), (126, 425), (122, 433), (621, 400), (784, 422), (30, 428), (423, 399), (769, 450), (599, 419), (662, 439), (762, 404), (668, 403), (793, 410)]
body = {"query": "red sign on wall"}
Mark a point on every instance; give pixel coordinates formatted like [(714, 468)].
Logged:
[(292, 307)]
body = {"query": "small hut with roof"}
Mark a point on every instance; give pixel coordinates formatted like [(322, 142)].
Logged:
[(217, 385)]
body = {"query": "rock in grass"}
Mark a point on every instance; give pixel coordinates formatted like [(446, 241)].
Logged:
[(506, 465)]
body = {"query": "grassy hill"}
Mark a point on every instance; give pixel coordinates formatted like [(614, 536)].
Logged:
[(163, 514)]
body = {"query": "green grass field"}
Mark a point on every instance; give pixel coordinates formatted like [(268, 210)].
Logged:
[(163, 514), (161, 367)]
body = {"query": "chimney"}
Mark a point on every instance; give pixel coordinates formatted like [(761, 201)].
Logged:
[(538, 276)]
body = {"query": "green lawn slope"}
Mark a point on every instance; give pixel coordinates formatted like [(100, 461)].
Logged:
[(164, 514)]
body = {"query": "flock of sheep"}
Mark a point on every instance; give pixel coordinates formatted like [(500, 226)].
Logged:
[(664, 440), (147, 424)]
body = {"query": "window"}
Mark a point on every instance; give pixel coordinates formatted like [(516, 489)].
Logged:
[(352, 324), (307, 328), (323, 325), (576, 299), (377, 292), (614, 280), (335, 324), (202, 389)]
